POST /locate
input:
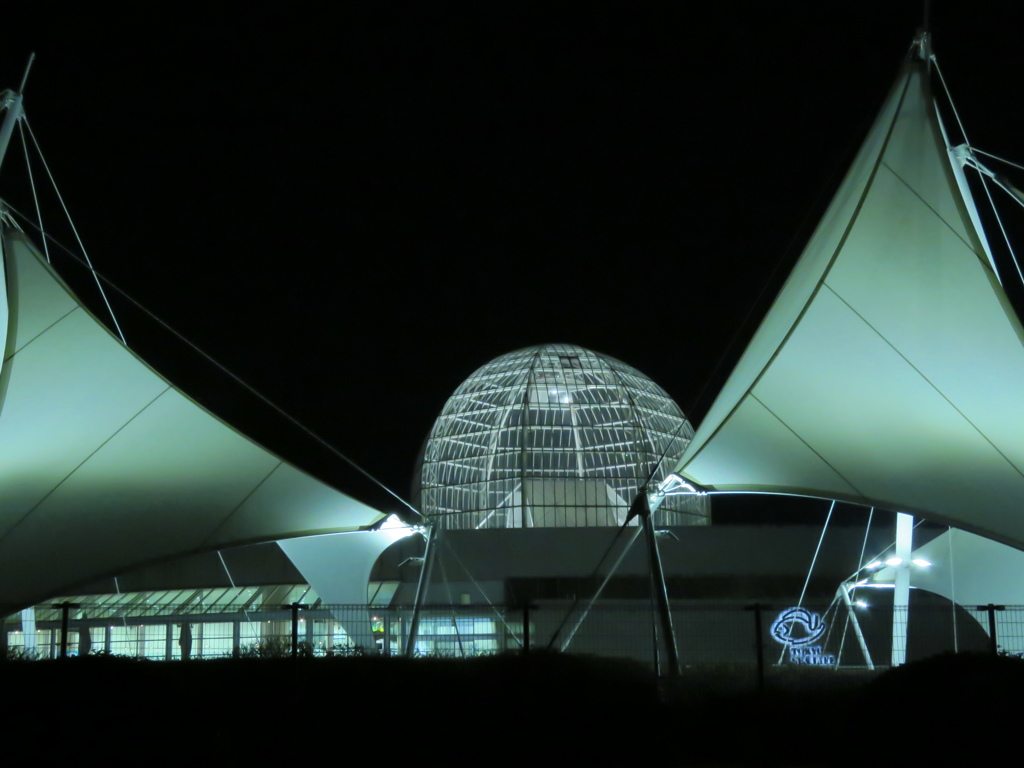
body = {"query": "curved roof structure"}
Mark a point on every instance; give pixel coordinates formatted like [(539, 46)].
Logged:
[(105, 465), (889, 371), (553, 436)]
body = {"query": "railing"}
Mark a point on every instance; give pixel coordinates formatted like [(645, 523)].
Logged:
[(707, 636)]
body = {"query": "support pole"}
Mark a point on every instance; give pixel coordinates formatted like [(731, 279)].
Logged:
[(901, 595), (11, 100), (421, 590), (642, 509)]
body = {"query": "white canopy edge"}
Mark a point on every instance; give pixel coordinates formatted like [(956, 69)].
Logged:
[(105, 465)]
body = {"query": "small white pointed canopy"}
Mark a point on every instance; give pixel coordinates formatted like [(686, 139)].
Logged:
[(338, 567), (966, 569), (889, 372), (105, 465)]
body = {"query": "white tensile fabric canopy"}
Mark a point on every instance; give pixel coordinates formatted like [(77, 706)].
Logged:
[(105, 465), (966, 569), (889, 372), (338, 567), (971, 571)]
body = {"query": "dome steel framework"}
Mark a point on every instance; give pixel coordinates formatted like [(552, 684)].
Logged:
[(553, 436)]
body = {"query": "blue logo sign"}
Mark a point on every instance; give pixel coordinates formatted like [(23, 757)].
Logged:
[(798, 629)]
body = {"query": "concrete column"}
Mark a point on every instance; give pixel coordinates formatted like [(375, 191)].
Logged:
[(901, 596)]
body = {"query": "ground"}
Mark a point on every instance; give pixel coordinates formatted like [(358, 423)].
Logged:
[(546, 710)]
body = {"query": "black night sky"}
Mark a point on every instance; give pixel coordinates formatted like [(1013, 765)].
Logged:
[(354, 209)]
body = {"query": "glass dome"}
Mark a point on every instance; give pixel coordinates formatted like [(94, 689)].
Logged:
[(553, 436)]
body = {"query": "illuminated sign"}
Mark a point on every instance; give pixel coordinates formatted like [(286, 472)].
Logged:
[(798, 629)]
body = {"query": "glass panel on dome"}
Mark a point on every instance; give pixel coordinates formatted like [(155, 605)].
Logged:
[(553, 436)]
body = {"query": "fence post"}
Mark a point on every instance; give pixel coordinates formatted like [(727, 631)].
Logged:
[(758, 643), (526, 628), (295, 607), (991, 610), (65, 626)]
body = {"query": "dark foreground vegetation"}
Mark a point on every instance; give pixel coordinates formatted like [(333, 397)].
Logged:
[(545, 710)]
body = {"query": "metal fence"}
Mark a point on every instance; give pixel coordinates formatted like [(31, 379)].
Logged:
[(707, 636)]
